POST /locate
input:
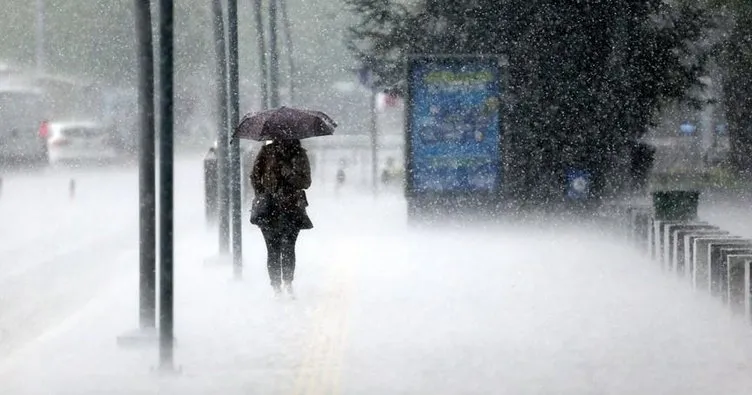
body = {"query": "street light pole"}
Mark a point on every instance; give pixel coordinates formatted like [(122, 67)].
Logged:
[(166, 178), (289, 46), (261, 42), (40, 39), (234, 115), (223, 178), (274, 55), (374, 140), (147, 233), (368, 79), (147, 168)]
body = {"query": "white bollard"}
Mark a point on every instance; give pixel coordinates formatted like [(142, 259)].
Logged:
[(701, 259)]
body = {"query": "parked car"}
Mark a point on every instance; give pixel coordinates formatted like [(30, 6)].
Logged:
[(21, 113), (81, 141)]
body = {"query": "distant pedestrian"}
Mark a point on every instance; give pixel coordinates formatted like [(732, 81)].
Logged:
[(341, 177), (387, 175), (280, 175)]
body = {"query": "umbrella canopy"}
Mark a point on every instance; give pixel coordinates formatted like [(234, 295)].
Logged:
[(285, 123)]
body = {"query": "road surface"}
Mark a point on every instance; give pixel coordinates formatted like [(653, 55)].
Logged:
[(534, 308)]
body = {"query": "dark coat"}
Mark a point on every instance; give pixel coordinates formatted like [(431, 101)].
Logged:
[(284, 171)]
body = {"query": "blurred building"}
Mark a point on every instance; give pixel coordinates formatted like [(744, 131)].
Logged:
[(692, 140)]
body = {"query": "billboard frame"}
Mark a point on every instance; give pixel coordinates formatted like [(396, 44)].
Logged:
[(455, 198)]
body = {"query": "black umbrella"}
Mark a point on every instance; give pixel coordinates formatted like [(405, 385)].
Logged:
[(285, 123)]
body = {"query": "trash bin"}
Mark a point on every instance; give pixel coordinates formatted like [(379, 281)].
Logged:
[(676, 205), (641, 163), (211, 200)]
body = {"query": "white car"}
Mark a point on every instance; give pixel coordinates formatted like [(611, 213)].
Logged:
[(80, 141), (21, 112)]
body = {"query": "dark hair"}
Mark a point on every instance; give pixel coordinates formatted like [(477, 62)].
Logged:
[(288, 148), (290, 143)]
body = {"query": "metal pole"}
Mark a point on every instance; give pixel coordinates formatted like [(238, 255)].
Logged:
[(166, 333), (274, 55), (289, 46), (235, 203), (147, 168), (261, 42), (374, 142), (40, 29), (222, 149)]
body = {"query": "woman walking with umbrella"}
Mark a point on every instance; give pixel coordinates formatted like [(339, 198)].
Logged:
[(281, 174)]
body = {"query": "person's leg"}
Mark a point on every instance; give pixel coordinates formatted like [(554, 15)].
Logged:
[(288, 240), (273, 249)]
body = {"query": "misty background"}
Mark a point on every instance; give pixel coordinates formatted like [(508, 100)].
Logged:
[(95, 41), (533, 304)]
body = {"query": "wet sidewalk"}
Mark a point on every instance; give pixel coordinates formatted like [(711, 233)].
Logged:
[(382, 309)]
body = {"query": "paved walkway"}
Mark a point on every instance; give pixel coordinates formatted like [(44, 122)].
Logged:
[(382, 309)]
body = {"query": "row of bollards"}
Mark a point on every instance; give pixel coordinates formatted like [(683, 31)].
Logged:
[(701, 254)]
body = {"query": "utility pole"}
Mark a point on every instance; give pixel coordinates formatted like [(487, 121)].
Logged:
[(261, 42), (374, 140), (368, 79), (289, 46), (40, 39), (166, 180), (234, 115), (274, 55), (147, 233), (223, 177), (147, 169)]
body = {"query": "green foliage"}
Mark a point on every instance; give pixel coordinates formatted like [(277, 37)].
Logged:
[(586, 77), (736, 60)]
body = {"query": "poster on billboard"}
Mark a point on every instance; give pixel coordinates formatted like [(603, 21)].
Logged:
[(454, 126), (578, 184)]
